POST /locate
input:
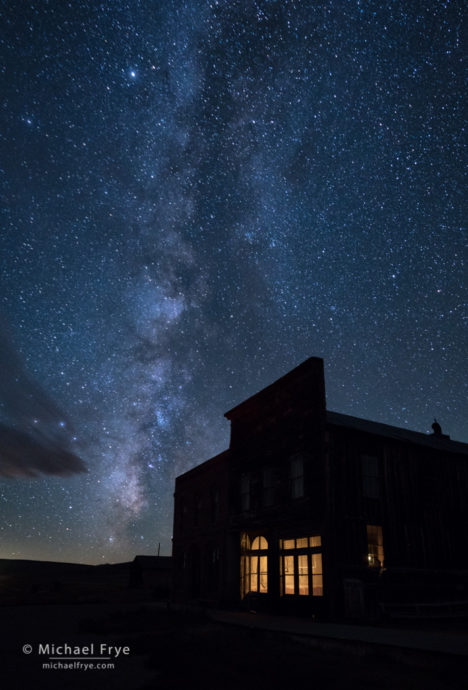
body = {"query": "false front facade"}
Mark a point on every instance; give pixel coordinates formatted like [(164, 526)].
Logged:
[(317, 512)]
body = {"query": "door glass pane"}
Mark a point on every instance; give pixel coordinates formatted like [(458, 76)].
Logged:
[(303, 584), (288, 562), (317, 563), (288, 565), (253, 573), (303, 570), (303, 565), (254, 564), (317, 586), (289, 584)]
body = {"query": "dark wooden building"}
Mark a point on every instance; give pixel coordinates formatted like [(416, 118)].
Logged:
[(152, 573), (322, 513)]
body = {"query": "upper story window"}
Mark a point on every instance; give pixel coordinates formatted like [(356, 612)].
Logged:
[(370, 473), (296, 477), (197, 509), (245, 493), (183, 512), (214, 499), (268, 486)]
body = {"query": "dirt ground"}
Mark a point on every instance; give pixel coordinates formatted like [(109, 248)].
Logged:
[(174, 650)]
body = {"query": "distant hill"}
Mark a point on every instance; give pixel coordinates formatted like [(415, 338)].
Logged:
[(27, 581), (22, 565), (52, 582)]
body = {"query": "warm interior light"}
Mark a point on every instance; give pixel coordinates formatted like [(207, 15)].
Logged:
[(300, 567)]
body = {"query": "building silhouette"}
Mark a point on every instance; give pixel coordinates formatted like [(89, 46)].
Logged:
[(310, 511)]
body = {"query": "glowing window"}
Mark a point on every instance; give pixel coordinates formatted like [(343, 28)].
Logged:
[(317, 575), (253, 565), (301, 567), (288, 571), (303, 574), (302, 543), (245, 542), (259, 543), (375, 550), (258, 574)]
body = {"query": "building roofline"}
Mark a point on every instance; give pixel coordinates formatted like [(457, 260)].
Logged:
[(203, 466), (394, 432), (297, 372), (158, 562)]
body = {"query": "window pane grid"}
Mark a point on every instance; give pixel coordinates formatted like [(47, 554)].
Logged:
[(370, 473), (301, 566), (301, 543), (296, 477), (268, 487), (254, 565)]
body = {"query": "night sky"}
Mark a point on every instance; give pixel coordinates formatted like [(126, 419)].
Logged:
[(196, 197)]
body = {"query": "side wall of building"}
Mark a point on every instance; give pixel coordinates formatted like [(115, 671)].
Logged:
[(415, 496), (199, 535)]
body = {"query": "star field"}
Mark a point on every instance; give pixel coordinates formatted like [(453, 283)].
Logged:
[(196, 197)]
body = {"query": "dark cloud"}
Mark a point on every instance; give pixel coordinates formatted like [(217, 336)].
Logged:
[(27, 455), (35, 434)]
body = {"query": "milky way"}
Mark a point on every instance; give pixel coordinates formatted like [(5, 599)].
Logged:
[(195, 198)]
